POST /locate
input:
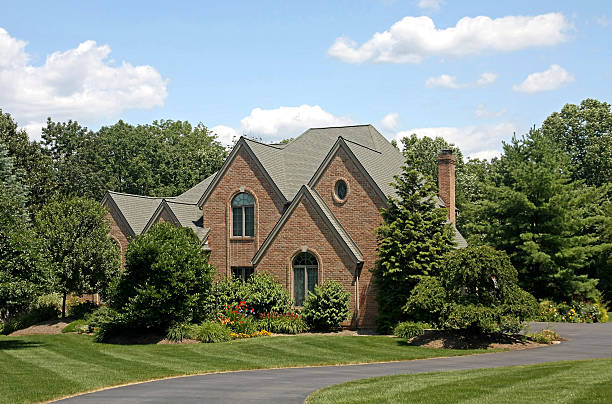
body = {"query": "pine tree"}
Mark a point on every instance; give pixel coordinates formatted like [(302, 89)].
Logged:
[(414, 236), (546, 222)]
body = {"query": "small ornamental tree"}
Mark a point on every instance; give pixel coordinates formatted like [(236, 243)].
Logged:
[(412, 240), (166, 279), (477, 289), (327, 306), (76, 242)]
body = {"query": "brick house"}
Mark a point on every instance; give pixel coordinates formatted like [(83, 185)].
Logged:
[(305, 211)]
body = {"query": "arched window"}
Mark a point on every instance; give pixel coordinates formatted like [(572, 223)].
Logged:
[(243, 215), (305, 276)]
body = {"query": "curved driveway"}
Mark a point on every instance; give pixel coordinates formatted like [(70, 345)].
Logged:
[(585, 341)]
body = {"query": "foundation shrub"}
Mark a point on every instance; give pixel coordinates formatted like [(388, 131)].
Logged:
[(409, 329), (327, 306), (265, 295)]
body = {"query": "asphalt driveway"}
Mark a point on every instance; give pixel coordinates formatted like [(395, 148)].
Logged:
[(585, 341)]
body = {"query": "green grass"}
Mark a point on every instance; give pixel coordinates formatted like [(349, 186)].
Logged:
[(74, 326), (43, 367), (558, 382)]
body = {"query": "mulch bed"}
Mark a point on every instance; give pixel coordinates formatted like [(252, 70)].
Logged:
[(46, 327), (453, 339)]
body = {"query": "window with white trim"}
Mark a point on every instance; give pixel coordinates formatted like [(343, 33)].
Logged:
[(305, 276), (243, 215)]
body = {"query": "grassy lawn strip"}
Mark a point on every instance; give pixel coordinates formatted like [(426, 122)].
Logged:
[(587, 381), (42, 367)]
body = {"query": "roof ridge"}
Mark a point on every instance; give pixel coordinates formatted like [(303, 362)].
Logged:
[(264, 144), (141, 196), (341, 126), (181, 202), (359, 144)]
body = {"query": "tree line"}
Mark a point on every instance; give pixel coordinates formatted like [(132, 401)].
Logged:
[(546, 202)]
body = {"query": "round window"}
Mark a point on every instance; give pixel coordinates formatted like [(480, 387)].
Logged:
[(341, 190)]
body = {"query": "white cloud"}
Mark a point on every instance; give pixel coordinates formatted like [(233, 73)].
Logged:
[(412, 39), (389, 121), (448, 81), (434, 4), (80, 83), (486, 79), (281, 123), (443, 81), (474, 141), (547, 80), (482, 112), (603, 21), (225, 134)]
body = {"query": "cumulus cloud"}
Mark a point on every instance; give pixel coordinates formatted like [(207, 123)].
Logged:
[(433, 4), (225, 134), (281, 123), (486, 79), (412, 39), (548, 80), (482, 112), (80, 83), (474, 141), (389, 121), (448, 81), (443, 81)]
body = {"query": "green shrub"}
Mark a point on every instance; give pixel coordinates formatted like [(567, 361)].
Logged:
[(327, 307), (427, 301), (264, 294), (224, 292), (283, 323), (78, 326), (211, 331), (180, 331), (106, 323), (166, 279), (408, 329), (545, 337)]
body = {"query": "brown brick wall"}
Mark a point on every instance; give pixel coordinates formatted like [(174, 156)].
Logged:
[(118, 232), (305, 228), (227, 251), (360, 216)]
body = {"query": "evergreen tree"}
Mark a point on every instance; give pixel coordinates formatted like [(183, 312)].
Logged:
[(20, 265), (546, 223), (414, 236)]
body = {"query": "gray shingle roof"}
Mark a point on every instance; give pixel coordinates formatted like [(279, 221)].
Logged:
[(189, 215), (294, 164), (192, 195), (136, 209)]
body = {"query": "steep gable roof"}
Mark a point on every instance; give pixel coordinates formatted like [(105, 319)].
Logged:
[(136, 209), (184, 214), (328, 217), (193, 194)]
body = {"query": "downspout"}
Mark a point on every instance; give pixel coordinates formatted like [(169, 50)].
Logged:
[(357, 273)]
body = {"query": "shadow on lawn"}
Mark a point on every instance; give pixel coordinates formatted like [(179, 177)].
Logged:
[(13, 344)]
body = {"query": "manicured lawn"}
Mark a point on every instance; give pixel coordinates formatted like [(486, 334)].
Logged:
[(43, 367), (558, 382)]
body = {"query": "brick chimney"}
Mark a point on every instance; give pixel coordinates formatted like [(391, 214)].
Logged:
[(446, 181)]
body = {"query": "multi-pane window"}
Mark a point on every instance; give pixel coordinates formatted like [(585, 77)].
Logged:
[(305, 276), (242, 273), (243, 215)]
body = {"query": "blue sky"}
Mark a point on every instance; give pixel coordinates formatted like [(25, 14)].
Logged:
[(472, 72)]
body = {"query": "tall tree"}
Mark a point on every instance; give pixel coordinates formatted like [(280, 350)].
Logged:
[(547, 223), (31, 158), (585, 133), (414, 236), (77, 244), (21, 278)]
